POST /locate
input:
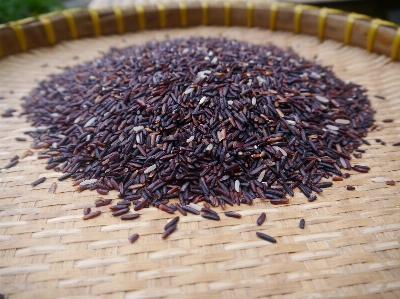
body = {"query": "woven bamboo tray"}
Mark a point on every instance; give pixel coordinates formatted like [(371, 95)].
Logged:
[(349, 248)]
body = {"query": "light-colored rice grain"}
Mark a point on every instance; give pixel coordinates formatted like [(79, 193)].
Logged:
[(261, 80), (291, 122), (88, 182), (237, 186), (138, 128), (202, 100), (189, 90), (342, 121), (380, 179), (150, 169), (194, 206), (261, 176), (90, 122), (322, 99), (333, 128), (78, 119)]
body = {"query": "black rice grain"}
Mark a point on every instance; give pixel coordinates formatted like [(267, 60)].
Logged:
[(20, 139), (199, 119), (265, 237), (86, 210)]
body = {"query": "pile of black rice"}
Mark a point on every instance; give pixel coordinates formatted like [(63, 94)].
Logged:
[(200, 120)]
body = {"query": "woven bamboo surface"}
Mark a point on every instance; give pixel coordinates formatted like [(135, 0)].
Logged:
[(350, 246)]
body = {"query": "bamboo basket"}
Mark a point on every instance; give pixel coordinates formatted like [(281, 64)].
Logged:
[(350, 247)]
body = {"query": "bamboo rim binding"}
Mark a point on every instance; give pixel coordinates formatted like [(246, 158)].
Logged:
[(45, 24)]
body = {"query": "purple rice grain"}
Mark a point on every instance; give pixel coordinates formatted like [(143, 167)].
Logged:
[(312, 198), (391, 183), (172, 222), (387, 120), (324, 184), (11, 164), (160, 121), (117, 207), (180, 209), (396, 143), (265, 237), (208, 210), (302, 223), (361, 168), (16, 157), (38, 181), (168, 231), (130, 217), (20, 139), (279, 201), (91, 215), (141, 204), (233, 214), (191, 210), (261, 219), (350, 188), (210, 216), (132, 239), (86, 210), (102, 202), (120, 212), (64, 177)]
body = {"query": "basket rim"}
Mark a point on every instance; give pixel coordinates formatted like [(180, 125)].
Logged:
[(45, 26)]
